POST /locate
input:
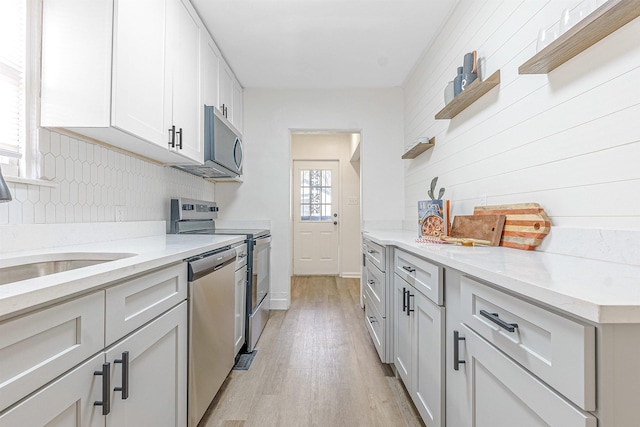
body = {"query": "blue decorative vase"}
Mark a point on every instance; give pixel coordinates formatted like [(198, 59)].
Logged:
[(457, 83), (470, 71)]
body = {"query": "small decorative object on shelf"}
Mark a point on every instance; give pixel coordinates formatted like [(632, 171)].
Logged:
[(433, 215), (449, 93), (471, 94), (422, 145), (607, 18), (469, 69), (457, 82)]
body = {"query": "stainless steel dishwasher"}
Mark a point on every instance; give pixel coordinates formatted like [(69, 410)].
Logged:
[(211, 326)]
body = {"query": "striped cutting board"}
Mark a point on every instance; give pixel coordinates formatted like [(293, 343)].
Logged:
[(526, 225)]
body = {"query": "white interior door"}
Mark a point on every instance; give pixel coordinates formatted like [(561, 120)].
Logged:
[(316, 216)]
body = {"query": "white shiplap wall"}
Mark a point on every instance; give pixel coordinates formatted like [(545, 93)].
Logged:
[(569, 140)]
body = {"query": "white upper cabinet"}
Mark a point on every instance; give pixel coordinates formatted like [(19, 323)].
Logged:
[(226, 91), (210, 61), (125, 73), (220, 88), (141, 87), (237, 106), (184, 59)]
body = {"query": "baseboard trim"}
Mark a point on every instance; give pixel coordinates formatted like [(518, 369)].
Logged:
[(279, 304), (348, 275)]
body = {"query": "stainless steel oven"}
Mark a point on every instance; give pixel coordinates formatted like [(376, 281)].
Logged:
[(197, 217), (260, 288)]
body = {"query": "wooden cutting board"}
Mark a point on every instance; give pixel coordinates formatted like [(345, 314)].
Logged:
[(526, 225), (479, 227)]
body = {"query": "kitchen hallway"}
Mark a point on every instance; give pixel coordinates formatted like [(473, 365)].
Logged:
[(315, 366)]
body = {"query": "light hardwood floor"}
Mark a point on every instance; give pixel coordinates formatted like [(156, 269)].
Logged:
[(315, 366)]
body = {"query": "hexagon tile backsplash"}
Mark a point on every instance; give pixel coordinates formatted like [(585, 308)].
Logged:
[(96, 182)]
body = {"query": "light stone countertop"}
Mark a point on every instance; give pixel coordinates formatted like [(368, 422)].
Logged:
[(598, 291), (151, 252)]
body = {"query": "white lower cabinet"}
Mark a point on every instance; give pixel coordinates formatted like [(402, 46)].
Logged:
[(492, 363), (154, 382), (66, 402), (377, 285), (419, 348), (504, 394), (57, 370)]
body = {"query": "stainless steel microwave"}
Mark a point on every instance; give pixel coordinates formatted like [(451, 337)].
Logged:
[(223, 154)]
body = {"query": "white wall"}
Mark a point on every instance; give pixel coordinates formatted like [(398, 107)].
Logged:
[(270, 115), (569, 140), (337, 146)]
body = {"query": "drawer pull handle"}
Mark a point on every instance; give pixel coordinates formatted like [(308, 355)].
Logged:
[(456, 350), (125, 375), (172, 137), (179, 144), (408, 268), (511, 327), (372, 252), (106, 388), (404, 299), (409, 309)]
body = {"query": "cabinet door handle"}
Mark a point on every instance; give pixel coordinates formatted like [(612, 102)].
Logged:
[(172, 136), (404, 299), (179, 144), (408, 268), (456, 350), (372, 319), (106, 388), (409, 309), (372, 251), (511, 327), (125, 375), (371, 282)]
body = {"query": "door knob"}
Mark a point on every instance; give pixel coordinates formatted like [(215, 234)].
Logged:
[(335, 215), (335, 222)]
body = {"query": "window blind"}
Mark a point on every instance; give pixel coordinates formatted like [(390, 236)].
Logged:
[(12, 76)]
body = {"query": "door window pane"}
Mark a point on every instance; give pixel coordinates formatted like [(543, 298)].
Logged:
[(315, 195)]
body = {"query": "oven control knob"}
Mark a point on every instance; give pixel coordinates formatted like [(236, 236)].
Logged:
[(187, 207), (213, 209)]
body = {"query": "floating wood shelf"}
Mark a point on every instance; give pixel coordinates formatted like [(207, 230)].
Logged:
[(471, 94), (594, 27), (419, 148)]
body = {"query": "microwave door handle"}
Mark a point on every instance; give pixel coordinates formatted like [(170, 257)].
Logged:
[(238, 145)]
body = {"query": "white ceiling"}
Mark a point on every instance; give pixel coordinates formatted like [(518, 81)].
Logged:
[(322, 43)]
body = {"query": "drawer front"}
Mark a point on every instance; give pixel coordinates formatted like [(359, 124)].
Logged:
[(424, 276), (68, 401), (38, 347), (135, 302), (558, 350), (376, 253), (376, 284), (376, 327), (505, 394)]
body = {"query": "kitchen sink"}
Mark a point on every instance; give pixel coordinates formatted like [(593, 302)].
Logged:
[(43, 265)]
